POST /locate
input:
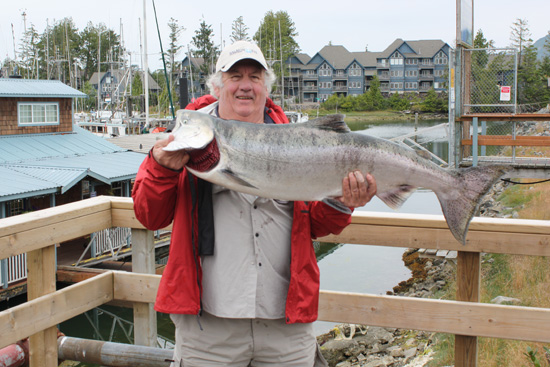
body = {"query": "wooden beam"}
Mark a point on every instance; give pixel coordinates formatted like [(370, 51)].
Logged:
[(44, 312), (508, 140), (453, 317), (414, 231), (468, 280), (506, 117), (143, 261), (132, 287), (31, 231)]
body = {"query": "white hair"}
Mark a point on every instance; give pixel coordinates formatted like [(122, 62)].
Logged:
[(215, 80)]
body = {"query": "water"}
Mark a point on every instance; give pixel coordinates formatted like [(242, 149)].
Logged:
[(345, 267)]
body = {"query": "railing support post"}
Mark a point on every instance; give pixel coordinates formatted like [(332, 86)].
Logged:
[(41, 281), (143, 261), (468, 278)]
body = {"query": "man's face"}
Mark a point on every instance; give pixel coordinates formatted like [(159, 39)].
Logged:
[(243, 95)]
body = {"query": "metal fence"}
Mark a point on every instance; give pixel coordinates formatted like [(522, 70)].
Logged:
[(13, 269), (491, 79)]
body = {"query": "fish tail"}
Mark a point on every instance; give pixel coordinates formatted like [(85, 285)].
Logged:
[(461, 201)]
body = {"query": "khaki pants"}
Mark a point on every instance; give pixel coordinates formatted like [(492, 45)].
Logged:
[(243, 343)]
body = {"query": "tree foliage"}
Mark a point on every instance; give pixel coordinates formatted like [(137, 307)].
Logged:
[(174, 47), (520, 36), (276, 38), (205, 48), (239, 30)]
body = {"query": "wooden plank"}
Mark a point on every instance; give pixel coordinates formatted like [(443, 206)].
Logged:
[(438, 222), (506, 117), (41, 218), (132, 287), (40, 282), (32, 238), (468, 280), (477, 241), (44, 312), (143, 261), (453, 317), (508, 140)]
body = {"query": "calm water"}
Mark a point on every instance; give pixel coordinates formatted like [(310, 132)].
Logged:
[(345, 267)]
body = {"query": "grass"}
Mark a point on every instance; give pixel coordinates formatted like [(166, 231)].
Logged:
[(526, 278)]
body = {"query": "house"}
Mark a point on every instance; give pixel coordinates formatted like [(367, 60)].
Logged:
[(46, 160), (196, 80), (404, 66), (115, 85)]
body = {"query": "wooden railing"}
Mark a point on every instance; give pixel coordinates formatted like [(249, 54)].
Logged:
[(37, 233)]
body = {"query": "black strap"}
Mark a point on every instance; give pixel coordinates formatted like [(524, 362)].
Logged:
[(201, 195)]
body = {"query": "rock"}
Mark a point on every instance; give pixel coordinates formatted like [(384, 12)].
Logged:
[(505, 300)]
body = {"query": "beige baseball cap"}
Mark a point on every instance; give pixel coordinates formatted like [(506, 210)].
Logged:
[(237, 51)]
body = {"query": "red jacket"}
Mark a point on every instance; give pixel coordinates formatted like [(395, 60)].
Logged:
[(162, 196)]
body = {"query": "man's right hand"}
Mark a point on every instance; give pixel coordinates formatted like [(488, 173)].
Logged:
[(175, 160)]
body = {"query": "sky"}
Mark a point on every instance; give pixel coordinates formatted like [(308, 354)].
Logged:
[(354, 24)]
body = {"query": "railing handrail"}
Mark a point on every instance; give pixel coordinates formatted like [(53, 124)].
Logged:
[(38, 232)]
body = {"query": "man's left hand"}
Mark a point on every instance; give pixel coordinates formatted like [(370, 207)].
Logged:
[(357, 189)]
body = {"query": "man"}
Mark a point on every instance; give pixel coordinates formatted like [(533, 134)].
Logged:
[(252, 300)]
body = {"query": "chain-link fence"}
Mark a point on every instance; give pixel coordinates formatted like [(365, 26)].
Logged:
[(490, 91), (491, 81)]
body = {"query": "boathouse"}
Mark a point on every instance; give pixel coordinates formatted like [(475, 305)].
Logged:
[(46, 160)]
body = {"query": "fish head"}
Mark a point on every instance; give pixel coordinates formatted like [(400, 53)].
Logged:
[(193, 130)]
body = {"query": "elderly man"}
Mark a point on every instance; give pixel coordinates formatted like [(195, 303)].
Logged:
[(242, 282)]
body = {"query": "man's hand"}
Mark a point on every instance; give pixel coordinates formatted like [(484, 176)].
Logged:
[(173, 160), (357, 189)]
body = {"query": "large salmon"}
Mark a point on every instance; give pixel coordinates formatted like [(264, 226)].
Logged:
[(308, 161)]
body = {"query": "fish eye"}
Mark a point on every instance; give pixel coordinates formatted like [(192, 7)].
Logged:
[(185, 121)]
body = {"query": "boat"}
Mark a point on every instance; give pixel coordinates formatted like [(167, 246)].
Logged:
[(296, 116)]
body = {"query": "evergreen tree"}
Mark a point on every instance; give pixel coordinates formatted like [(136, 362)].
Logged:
[(29, 53), (276, 38), (240, 30), (520, 37), (174, 48), (531, 86), (205, 48)]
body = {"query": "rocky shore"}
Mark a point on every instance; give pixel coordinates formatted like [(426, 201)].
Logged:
[(364, 346)]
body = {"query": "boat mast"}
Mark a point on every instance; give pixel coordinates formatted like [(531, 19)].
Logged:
[(145, 65)]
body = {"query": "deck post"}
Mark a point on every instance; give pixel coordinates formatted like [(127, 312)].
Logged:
[(143, 261), (468, 278), (41, 281)]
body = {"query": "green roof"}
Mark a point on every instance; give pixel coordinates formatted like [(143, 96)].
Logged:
[(37, 89)]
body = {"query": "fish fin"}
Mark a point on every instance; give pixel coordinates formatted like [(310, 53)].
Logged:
[(396, 197), (330, 122), (335, 204), (461, 202), (233, 177)]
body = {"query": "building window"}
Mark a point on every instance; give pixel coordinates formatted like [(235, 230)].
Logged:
[(440, 85), (355, 70), (411, 73), (325, 70), (411, 85), (441, 58), (440, 73), (411, 62), (396, 59), (37, 113), (396, 73), (396, 85)]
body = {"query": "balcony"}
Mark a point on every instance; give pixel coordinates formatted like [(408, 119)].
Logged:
[(339, 77), (310, 88), (310, 76), (426, 76), (339, 88)]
